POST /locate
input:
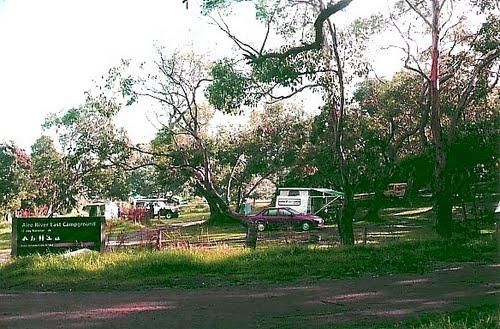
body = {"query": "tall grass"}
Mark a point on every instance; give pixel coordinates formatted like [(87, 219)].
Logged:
[(482, 317), (224, 266)]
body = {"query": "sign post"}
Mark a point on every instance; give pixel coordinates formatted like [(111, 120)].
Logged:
[(56, 235)]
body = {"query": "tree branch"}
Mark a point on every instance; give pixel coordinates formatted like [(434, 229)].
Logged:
[(323, 15), (276, 99), (247, 194), (419, 13), (489, 58)]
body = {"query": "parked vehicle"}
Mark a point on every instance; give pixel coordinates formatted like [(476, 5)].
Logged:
[(276, 216), (396, 190), (161, 206), (318, 201), (180, 201), (107, 209)]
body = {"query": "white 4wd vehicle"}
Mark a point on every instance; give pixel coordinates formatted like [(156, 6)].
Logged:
[(161, 208)]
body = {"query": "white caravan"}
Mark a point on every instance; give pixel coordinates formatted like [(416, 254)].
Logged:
[(309, 200), (106, 208)]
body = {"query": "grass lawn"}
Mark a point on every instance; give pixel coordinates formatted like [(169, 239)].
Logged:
[(214, 233), (398, 223), (403, 224), (5, 232), (481, 317), (126, 226), (225, 266), (184, 217), (122, 226)]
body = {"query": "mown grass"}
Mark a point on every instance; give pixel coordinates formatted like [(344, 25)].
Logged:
[(214, 233), (226, 266), (183, 218), (122, 226), (479, 317), (194, 215), (5, 233)]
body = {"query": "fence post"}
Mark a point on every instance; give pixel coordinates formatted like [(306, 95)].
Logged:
[(365, 233), (251, 241), (158, 240)]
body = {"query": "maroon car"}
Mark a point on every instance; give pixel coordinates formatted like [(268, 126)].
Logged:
[(284, 216)]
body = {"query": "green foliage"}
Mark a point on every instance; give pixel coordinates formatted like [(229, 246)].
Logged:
[(417, 169), (144, 181), (316, 165), (473, 157), (485, 5), (488, 36), (269, 146), (383, 131), (379, 133), (92, 149), (48, 175), (283, 72), (228, 89), (14, 168), (210, 5), (262, 10)]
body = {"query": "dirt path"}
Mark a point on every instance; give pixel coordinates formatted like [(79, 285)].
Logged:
[(326, 304)]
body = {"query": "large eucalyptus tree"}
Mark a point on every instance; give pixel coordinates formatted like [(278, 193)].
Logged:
[(314, 54), (460, 63)]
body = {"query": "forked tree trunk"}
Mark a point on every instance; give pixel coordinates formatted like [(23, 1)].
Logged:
[(219, 209)]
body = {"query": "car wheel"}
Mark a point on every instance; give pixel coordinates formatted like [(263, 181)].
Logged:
[(168, 215), (261, 226), (306, 226)]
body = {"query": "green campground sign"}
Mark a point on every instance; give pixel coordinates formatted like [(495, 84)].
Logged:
[(56, 235)]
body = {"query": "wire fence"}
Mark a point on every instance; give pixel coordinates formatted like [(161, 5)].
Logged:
[(173, 237)]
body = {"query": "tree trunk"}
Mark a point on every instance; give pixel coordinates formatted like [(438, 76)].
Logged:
[(443, 205), (375, 206), (337, 128), (219, 210), (346, 231), (378, 198), (411, 188)]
